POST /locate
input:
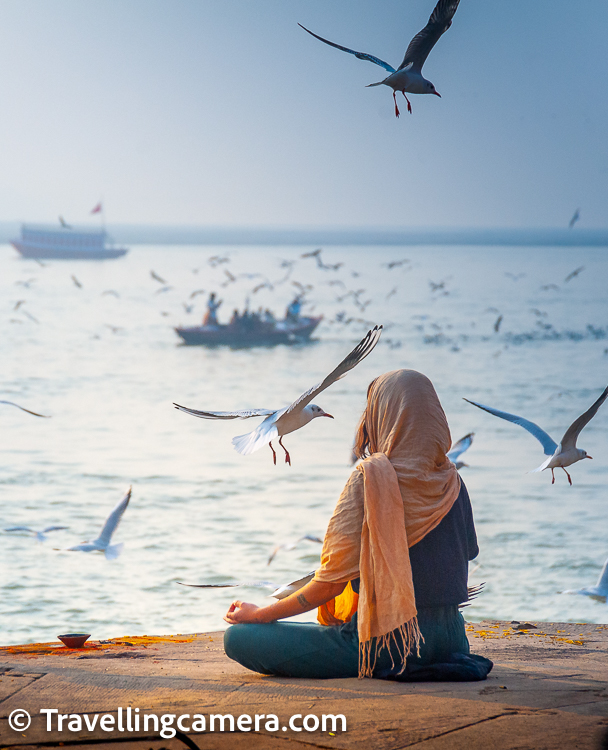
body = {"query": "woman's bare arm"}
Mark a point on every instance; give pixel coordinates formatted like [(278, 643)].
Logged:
[(308, 597)]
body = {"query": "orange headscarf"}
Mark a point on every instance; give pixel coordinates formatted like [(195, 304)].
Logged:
[(391, 501)]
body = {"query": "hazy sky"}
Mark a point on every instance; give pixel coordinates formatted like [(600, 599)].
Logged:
[(226, 112)]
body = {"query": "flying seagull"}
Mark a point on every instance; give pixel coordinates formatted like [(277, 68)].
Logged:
[(156, 277), (408, 76), (281, 422), (40, 535), (280, 592), (562, 455), (102, 543), (599, 591), (11, 403), (575, 217), (459, 448), (292, 545), (574, 274), (318, 251)]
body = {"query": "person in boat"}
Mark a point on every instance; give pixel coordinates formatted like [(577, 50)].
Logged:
[(394, 563), (247, 321), (292, 314), (213, 305), (260, 320)]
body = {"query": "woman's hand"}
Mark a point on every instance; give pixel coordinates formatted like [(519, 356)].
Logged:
[(241, 612), (305, 599)]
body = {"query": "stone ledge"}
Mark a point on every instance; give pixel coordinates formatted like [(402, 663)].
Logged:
[(548, 689)]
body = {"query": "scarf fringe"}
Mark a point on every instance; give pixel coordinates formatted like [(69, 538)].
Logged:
[(406, 639)]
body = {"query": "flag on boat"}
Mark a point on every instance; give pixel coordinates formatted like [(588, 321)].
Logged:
[(98, 209)]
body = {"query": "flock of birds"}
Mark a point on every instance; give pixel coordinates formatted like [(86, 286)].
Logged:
[(406, 79), (301, 412), (276, 423), (337, 285), (279, 422)]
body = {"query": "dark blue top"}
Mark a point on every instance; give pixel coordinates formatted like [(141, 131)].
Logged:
[(440, 561)]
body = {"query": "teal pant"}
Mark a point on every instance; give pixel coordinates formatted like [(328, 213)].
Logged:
[(292, 649)]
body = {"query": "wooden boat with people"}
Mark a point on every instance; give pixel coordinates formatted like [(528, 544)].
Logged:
[(251, 332)]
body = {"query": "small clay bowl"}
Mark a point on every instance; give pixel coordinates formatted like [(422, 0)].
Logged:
[(74, 640)]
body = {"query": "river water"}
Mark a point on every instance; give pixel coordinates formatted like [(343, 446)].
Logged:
[(92, 344)]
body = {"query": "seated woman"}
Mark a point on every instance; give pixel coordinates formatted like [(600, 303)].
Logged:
[(394, 562)]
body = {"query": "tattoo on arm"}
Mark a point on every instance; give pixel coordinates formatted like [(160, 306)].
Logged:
[(303, 601)]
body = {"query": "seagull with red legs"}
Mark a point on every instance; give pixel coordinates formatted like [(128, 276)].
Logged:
[(280, 422), (408, 78), (559, 456)]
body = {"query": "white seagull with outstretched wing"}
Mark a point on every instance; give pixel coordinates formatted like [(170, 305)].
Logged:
[(559, 456), (459, 448), (281, 422), (408, 76), (102, 543), (599, 591)]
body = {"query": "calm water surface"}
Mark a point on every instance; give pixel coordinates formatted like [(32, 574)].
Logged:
[(102, 358)]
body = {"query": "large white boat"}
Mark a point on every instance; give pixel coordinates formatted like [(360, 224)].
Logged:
[(47, 241)]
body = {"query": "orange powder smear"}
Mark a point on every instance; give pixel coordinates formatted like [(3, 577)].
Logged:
[(44, 649)]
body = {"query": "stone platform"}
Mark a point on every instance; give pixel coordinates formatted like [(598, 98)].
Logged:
[(548, 689)]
